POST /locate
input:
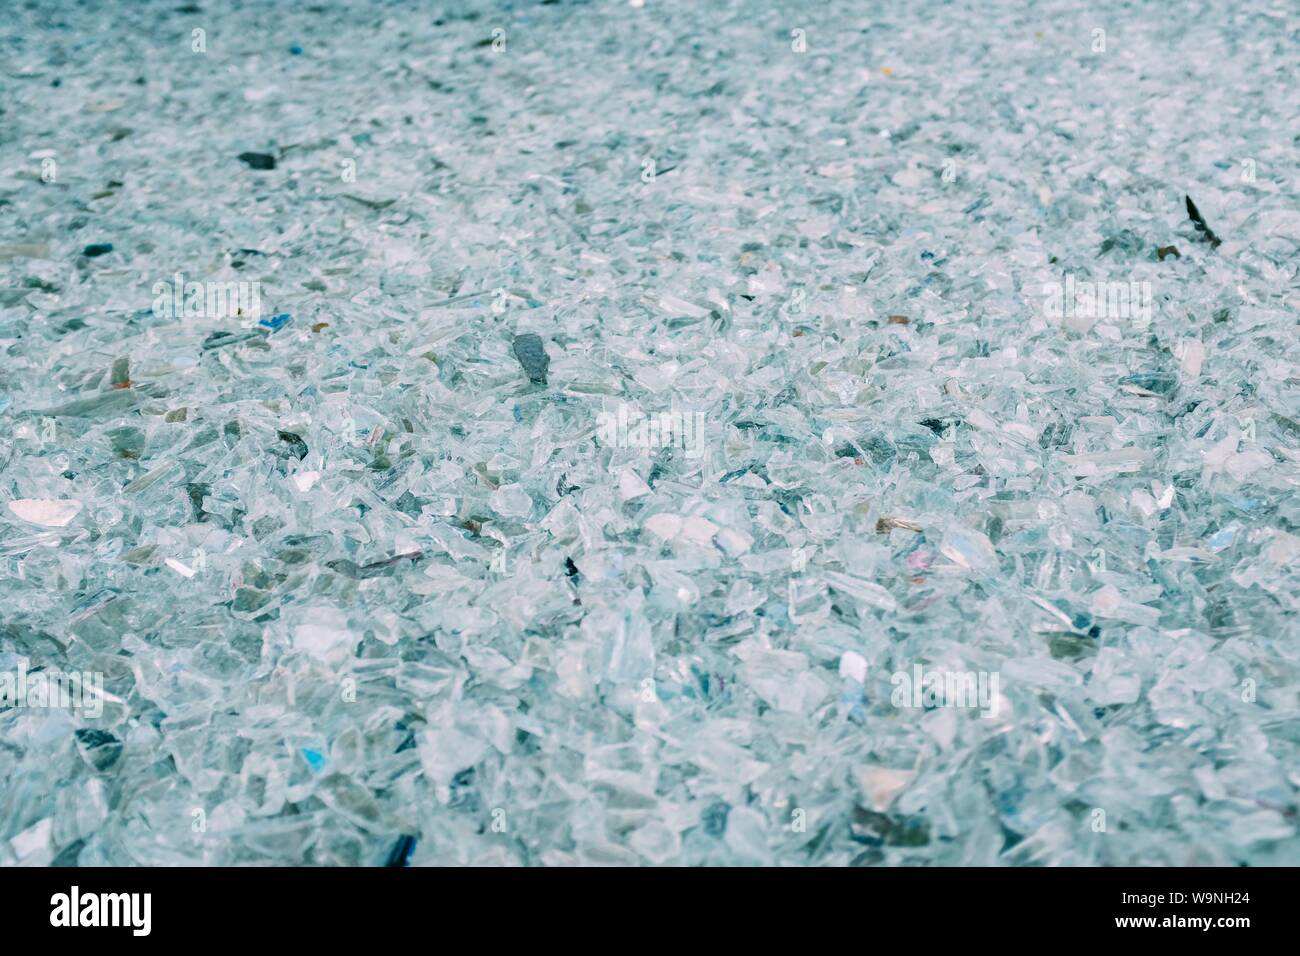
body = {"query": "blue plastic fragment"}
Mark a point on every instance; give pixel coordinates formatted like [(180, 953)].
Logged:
[(276, 322), (314, 758)]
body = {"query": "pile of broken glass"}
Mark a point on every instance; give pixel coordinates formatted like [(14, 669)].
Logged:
[(665, 433)]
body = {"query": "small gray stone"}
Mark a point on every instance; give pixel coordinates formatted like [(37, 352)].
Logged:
[(532, 356)]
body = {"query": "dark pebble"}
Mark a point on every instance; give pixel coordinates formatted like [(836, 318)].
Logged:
[(97, 249), (258, 160), (532, 356)]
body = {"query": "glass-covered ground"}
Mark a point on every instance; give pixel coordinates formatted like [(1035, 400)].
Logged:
[(380, 564)]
